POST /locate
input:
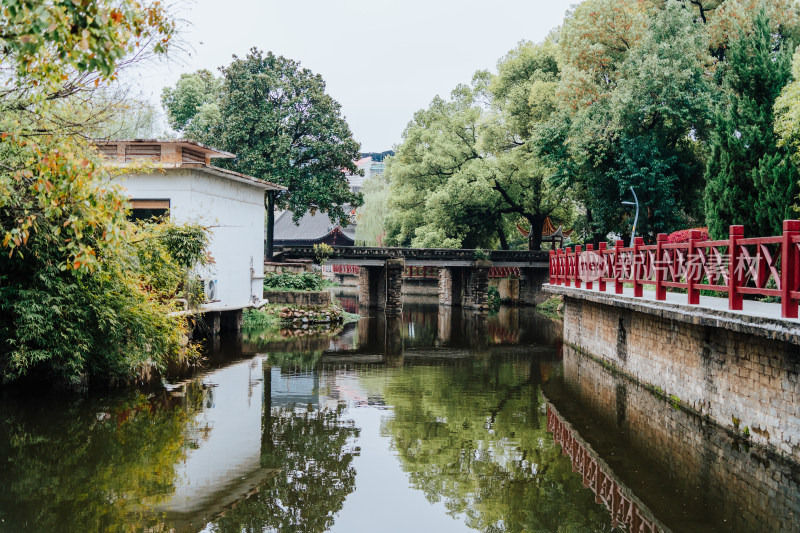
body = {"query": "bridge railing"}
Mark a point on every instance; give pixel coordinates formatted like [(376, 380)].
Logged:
[(737, 266)]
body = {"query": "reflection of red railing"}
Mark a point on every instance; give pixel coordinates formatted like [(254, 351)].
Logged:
[(504, 272), (736, 266), (624, 511)]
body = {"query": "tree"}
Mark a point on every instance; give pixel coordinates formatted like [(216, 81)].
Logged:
[(469, 162), (283, 128), (74, 302), (751, 179), (632, 109), (192, 105)]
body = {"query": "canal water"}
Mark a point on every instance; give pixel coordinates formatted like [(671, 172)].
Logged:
[(440, 420)]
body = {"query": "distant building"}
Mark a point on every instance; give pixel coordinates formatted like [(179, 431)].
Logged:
[(319, 228), (372, 163), (311, 229), (184, 184)]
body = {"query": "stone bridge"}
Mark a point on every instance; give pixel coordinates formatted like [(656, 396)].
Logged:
[(463, 274)]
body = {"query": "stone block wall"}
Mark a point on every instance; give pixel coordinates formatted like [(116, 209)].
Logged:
[(732, 377), (302, 299)]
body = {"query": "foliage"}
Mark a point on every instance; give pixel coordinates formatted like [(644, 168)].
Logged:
[(371, 217), (45, 40), (289, 281), (322, 252), (751, 180), (259, 319), (190, 100), (75, 303), (465, 174), (683, 235), (282, 125)]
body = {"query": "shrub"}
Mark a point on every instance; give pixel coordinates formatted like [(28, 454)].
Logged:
[(684, 234), (288, 281)]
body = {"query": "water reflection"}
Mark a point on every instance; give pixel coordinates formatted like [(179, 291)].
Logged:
[(93, 464), (439, 420), (692, 475)]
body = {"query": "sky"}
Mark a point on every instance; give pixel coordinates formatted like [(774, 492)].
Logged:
[(382, 60)]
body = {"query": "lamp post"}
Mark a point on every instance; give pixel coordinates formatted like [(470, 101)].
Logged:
[(635, 203)]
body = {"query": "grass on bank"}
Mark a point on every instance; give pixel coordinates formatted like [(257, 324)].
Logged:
[(551, 307)]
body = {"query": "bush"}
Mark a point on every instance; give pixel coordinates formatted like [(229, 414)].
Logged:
[(684, 234), (288, 281)]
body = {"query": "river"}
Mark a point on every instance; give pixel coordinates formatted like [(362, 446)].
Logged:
[(440, 420)]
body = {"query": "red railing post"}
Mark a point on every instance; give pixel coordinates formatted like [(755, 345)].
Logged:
[(790, 269), (735, 270), (552, 267), (692, 263), (560, 255), (601, 284), (590, 274), (568, 267), (618, 267), (660, 265), (638, 288), (578, 279)]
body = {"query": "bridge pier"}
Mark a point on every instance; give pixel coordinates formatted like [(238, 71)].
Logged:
[(530, 285), (381, 286), (476, 286), (465, 286)]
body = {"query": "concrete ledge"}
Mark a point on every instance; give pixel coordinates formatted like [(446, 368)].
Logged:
[(757, 318), (303, 299)]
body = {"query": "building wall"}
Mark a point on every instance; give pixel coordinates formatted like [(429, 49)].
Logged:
[(235, 214), (734, 378)]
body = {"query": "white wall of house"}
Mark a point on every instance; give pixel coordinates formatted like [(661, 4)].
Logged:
[(235, 213)]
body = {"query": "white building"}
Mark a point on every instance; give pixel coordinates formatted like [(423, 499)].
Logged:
[(183, 182)]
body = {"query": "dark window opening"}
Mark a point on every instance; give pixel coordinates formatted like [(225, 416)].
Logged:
[(148, 209)]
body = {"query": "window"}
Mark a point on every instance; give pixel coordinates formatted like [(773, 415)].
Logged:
[(147, 209)]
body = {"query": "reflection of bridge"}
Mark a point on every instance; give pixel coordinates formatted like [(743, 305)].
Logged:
[(463, 274)]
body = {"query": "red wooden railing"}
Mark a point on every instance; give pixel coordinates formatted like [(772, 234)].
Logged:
[(736, 267)]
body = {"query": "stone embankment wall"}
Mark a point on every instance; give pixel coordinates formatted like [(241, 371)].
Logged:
[(301, 299), (723, 484), (728, 370)]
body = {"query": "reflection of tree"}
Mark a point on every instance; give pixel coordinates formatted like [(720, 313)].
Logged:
[(472, 437), (313, 448), (89, 467)]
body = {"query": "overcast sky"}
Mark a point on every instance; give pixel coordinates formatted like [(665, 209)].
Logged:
[(382, 60)]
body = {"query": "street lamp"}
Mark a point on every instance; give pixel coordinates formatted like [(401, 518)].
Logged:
[(635, 203)]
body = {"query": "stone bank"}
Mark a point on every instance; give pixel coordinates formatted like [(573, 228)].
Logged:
[(739, 369)]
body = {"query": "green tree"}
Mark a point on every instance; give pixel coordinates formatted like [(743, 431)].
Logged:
[(283, 127), (751, 179), (192, 105), (466, 172), (633, 108), (74, 304)]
